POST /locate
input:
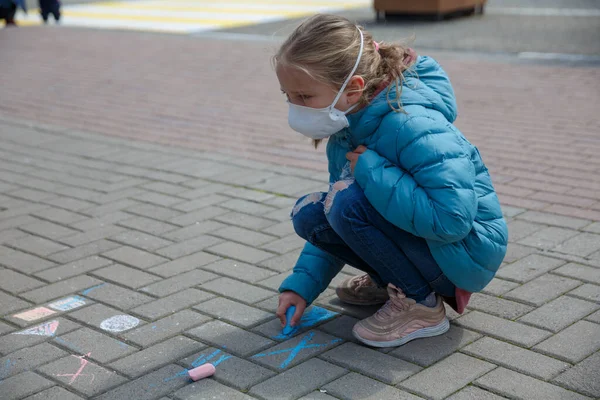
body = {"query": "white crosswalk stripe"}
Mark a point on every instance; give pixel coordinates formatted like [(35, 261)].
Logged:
[(189, 16)]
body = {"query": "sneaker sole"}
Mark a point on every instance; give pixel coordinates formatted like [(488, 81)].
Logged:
[(436, 330)]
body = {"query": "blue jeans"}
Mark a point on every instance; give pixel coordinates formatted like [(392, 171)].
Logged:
[(345, 224)]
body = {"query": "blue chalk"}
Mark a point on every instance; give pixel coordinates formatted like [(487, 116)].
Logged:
[(288, 319)]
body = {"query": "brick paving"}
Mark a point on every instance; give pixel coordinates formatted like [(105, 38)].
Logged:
[(144, 230)]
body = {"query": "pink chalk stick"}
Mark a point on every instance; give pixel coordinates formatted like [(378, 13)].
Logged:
[(203, 371)]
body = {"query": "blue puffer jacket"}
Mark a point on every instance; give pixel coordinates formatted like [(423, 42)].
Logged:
[(423, 176)]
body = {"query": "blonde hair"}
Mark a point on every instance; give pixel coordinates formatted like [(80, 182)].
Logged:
[(326, 48)]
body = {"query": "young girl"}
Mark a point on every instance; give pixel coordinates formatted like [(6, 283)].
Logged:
[(410, 201)]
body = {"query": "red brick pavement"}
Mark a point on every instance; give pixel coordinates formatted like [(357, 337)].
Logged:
[(537, 126)]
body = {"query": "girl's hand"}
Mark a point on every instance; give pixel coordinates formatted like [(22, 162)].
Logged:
[(353, 156), (287, 299)]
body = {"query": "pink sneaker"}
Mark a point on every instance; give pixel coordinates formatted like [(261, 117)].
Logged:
[(361, 291), (401, 320)]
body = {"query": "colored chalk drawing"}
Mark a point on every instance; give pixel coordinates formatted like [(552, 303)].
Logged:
[(312, 317), (67, 304), (119, 323), (303, 344), (45, 329), (36, 313), (82, 363)]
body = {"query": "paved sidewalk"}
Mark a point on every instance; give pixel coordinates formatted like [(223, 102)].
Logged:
[(123, 263)]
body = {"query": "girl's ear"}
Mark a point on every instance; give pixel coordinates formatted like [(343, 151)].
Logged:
[(355, 89)]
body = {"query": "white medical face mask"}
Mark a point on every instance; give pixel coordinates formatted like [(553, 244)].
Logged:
[(320, 123)]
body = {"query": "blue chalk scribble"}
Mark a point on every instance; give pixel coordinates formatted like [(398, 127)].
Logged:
[(296, 349), (310, 318), (88, 290), (6, 369)]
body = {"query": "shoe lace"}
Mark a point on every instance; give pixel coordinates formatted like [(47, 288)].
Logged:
[(363, 281), (393, 305)]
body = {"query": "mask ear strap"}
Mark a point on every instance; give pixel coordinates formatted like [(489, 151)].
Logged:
[(353, 70)]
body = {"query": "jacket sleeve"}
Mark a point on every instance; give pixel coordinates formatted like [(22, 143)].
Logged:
[(312, 274), (436, 200)]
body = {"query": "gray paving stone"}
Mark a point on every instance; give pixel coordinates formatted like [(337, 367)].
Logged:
[(209, 389), (371, 363), (239, 270), (117, 296), (548, 238), (542, 289), (97, 223), (516, 358), (518, 386), (583, 244), (103, 348), (298, 381), (22, 385), (332, 302), (151, 386), (502, 329), (581, 272), (21, 339), (62, 288), (164, 328), (243, 235), (28, 358), (196, 216), (153, 357), (593, 227), (498, 287), (59, 216), (274, 282), (93, 379), (184, 264), (5, 328), (474, 393), (157, 198), (271, 304), (134, 257), (518, 230), (240, 252), (88, 249), (237, 290), (9, 304), (236, 340), (74, 268), (429, 351), (10, 234), (110, 207), (317, 395), (245, 220), (341, 327), (248, 207), (154, 212), (285, 245), (36, 245), (559, 313), (126, 276), (231, 370), (447, 376), (95, 314), (92, 235), (180, 282), (189, 246), (587, 292), (205, 201), (14, 282), (517, 251), (583, 377), (554, 219), (496, 306), (147, 225), (23, 262), (193, 231), (141, 240), (248, 194), (54, 393), (358, 387), (528, 268), (170, 304), (281, 263), (233, 312), (281, 229), (574, 343), (48, 230), (595, 317)]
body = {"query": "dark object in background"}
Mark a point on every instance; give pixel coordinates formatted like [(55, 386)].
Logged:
[(48, 7), (438, 9), (8, 9)]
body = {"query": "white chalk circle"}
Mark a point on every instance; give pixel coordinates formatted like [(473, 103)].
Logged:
[(119, 323)]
